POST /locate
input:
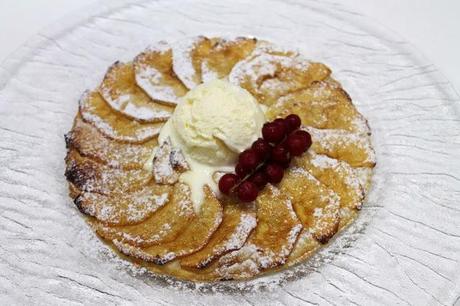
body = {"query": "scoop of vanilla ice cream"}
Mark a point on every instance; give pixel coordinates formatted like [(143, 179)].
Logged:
[(217, 120)]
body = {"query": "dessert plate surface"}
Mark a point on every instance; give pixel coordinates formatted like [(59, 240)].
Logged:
[(404, 247)]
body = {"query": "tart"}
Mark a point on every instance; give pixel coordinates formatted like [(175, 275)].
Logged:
[(131, 183)]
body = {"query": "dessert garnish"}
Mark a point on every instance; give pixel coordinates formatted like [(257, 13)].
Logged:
[(267, 158)]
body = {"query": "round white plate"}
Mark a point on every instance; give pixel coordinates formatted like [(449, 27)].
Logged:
[(404, 247)]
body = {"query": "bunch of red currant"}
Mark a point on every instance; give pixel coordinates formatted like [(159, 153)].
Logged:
[(267, 158)]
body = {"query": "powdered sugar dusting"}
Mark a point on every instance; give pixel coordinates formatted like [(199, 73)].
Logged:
[(145, 113), (345, 172), (235, 241), (256, 255), (207, 74), (262, 73), (121, 209), (183, 62), (122, 94), (88, 141), (202, 227), (327, 140), (168, 163), (91, 176), (323, 105), (89, 114), (239, 236), (151, 80)]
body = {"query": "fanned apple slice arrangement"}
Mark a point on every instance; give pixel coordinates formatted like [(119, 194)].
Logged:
[(290, 193)]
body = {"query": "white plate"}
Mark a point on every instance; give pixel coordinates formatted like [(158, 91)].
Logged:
[(402, 250)]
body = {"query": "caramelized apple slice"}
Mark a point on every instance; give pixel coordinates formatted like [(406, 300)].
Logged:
[(155, 75), (268, 76), (324, 105), (89, 142), (224, 55), (124, 208), (194, 237), (90, 176), (270, 243), (120, 91), (188, 57), (161, 227), (316, 205), (304, 247), (353, 148), (339, 177), (237, 223), (96, 111)]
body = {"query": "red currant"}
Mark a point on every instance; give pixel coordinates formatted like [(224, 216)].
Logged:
[(280, 154), (286, 164), (227, 182), (283, 123), (296, 144), (262, 148), (259, 179), (247, 191), (293, 122), (274, 173), (273, 132), (306, 138), (249, 159), (240, 171)]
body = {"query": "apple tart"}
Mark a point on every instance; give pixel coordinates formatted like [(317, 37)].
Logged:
[(128, 184)]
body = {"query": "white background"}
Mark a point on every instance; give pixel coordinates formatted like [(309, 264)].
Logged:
[(433, 26)]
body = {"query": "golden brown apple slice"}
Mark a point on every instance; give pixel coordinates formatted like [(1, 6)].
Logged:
[(268, 76), (353, 148), (96, 111), (124, 208), (120, 91), (237, 223), (91, 176), (224, 55), (155, 75), (339, 177), (162, 227), (194, 237), (323, 105), (270, 243), (304, 247), (89, 142), (188, 57), (316, 205)]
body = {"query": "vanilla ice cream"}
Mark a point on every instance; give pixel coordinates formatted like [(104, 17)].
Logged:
[(213, 123), (217, 120)]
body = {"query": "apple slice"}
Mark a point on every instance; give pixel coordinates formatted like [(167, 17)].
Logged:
[(95, 110), (121, 92), (155, 75), (89, 142)]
